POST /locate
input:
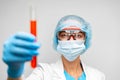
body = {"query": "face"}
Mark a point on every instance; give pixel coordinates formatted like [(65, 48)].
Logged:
[(71, 33)]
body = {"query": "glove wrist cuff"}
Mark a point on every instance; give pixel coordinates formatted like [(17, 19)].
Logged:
[(15, 72)]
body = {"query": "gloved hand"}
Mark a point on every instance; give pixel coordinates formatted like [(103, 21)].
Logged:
[(18, 49)]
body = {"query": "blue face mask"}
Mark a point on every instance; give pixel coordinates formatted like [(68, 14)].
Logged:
[(71, 49)]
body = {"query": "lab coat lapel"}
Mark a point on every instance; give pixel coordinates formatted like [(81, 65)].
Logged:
[(85, 70), (59, 69)]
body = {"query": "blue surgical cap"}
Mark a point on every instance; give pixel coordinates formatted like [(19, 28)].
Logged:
[(83, 25)]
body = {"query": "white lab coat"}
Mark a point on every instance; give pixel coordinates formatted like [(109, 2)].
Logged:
[(55, 71)]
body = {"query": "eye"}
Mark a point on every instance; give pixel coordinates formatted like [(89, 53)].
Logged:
[(63, 34), (80, 35)]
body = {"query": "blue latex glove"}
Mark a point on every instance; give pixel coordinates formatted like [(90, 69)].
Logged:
[(18, 49)]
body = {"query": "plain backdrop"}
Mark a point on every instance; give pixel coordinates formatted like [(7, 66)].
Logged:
[(103, 15)]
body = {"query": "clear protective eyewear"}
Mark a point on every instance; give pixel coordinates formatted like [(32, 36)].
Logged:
[(67, 34)]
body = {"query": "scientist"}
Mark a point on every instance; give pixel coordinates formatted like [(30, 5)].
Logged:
[(71, 39)]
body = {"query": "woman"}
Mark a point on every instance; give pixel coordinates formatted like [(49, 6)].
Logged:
[(71, 39)]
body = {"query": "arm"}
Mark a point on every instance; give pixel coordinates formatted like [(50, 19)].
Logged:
[(20, 78), (17, 50)]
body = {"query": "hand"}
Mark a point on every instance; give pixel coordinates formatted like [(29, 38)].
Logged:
[(18, 49)]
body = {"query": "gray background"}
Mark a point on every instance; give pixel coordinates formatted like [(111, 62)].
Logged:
[(103, 15)]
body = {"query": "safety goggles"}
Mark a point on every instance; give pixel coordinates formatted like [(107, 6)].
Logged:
[(67, 34)]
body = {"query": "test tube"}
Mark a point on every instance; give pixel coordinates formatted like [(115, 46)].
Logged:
[(33, 30)]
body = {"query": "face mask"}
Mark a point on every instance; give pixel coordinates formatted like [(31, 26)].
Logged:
[(71, 49)]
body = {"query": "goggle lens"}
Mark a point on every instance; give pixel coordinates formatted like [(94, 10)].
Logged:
[(67, 34)]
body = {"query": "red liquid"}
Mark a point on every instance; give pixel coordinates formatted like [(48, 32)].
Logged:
[(33, 31)]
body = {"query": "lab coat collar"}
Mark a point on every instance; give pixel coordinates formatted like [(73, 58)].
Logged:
[(60, 68), (84, 69)]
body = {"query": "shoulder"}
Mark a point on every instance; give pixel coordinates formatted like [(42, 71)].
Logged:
[(93, 70), (40, 71), (48, 71), (52, 66), (94, 73), (45, 67), (48, 67)]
